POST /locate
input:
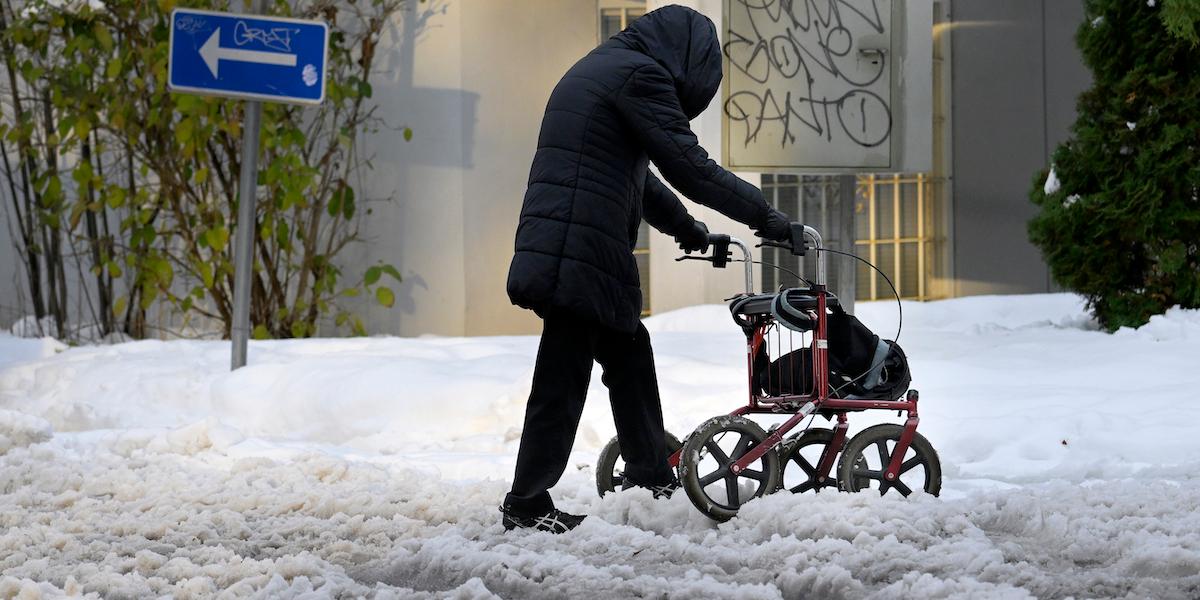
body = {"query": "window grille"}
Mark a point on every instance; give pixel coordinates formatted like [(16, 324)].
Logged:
[(892, 224)]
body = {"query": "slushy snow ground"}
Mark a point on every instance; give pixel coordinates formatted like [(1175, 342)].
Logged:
[(373, 467)]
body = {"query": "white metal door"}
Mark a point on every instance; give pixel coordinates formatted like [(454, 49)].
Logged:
[(808, 84)]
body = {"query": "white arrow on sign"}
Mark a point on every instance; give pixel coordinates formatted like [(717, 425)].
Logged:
[(212, 52)]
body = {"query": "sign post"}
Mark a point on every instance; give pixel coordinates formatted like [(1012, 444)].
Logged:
[(243, 244), (256, 58)]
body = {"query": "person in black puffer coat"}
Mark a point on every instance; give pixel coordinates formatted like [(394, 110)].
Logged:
[(624, 105)]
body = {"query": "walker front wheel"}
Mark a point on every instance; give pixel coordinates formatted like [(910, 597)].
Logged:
[(704, 467), (610, 468), (865, 461)]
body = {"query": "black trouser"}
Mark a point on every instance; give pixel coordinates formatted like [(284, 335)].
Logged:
[(560, 383)]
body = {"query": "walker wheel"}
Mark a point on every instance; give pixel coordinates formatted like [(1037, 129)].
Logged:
[(704, 466), (866, 457), (610, 468), (801, 455)]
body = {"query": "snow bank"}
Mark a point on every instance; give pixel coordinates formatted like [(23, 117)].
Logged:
[(1015, 388), (18, 429), (15, 350)]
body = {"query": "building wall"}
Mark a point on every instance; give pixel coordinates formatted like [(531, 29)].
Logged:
[(1015, 75), (471, 78), (678, 284), (513, 59)]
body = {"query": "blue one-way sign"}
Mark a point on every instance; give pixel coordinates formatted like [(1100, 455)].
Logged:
[(248, 56)]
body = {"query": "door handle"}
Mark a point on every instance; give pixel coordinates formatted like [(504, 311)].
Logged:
[(873, 54)]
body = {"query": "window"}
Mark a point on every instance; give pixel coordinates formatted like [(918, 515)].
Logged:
[(813, 200), (893, 230), (890, 223), (616, 15)]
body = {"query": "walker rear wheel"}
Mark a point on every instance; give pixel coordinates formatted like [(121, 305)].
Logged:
[(610, 467), (704, 466), (865, 460), (798, 468)]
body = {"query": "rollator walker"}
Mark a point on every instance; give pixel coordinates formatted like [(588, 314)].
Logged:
[(730, 459)]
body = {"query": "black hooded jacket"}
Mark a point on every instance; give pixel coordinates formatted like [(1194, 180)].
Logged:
[(626, 103)]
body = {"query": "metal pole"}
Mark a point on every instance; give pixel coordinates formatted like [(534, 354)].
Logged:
[(848, 269), (243, 257)]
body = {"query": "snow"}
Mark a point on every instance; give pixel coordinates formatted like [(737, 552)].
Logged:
[(373, 467), (1052, 184), (15, 350)]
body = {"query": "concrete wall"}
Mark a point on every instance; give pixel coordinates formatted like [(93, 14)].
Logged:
[(513, 61), (678, 284), (1015, 75), (471, 78)]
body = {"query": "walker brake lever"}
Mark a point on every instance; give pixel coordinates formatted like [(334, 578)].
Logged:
[(799, 249), (720, 251)]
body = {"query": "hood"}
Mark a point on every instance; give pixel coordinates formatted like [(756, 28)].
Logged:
[(685, 43)]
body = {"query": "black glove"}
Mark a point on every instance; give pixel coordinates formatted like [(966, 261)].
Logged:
[(778, 227), (694, 238)]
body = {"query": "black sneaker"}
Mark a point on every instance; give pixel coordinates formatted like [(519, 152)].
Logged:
[(555, 521), (659, 491)]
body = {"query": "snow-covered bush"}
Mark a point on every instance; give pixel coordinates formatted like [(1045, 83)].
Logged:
[(1119, 214)]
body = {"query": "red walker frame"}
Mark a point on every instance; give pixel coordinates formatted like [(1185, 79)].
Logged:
[(810, 403)]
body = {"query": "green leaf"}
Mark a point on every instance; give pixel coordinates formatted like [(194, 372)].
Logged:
[(408, 134), (260, 332), (115, 197), (103, 37), (76, 213), (217, 238), (83, 127), (390, 270), (113, 69), (52, 192), (372, 275), (120, 305), (384, 295), (206, 273), (184, 130)]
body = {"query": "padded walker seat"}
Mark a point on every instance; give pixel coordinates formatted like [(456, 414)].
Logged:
[(760, 304)]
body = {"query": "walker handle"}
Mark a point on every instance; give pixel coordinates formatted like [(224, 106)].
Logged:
[(722, 255)]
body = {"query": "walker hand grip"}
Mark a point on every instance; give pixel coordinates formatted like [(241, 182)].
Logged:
[(719, 243), (720, 249), (798, 247)]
